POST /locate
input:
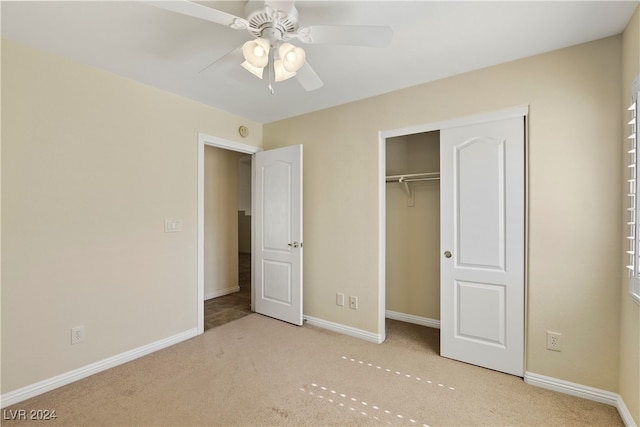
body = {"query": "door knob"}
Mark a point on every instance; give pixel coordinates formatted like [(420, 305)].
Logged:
[(295, 244), (447, 254)]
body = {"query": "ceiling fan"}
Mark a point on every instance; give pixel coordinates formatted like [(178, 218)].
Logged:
[(274, 25)]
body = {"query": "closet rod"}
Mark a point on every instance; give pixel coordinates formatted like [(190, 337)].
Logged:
[(406, 179), (414, 177), (436, 178)]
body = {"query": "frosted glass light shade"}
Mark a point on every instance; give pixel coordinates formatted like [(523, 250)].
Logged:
[(281, 72), (256, 52), (256, 71), (292, 57)]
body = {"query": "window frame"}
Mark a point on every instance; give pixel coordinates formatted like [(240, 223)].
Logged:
[(634, 196)]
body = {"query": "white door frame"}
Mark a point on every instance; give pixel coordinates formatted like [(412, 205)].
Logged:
[(212, 141), (382, 197)]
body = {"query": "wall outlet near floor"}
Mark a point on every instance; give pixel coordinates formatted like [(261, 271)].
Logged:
[(554, 341), (340, 299), (77, 334), (353, 303)]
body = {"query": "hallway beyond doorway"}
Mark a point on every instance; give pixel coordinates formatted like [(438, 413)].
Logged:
[(224, 309)]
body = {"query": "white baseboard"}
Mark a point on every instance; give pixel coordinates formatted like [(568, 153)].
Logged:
[(624, 413), (582, 391), (222, 292), (410, 318), (27, 392), (346, 330)]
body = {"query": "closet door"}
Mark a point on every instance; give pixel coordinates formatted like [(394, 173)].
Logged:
[(482, 244)]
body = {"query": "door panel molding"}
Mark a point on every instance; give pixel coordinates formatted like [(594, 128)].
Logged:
[(492, 255), (473, 328)]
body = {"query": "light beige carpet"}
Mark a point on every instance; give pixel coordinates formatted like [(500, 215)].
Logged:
[(259, 371)]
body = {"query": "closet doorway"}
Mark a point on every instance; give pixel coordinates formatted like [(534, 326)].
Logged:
[(413, 228), (478, 249)]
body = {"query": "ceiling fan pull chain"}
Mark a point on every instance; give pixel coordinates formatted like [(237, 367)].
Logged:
[(270, 67)]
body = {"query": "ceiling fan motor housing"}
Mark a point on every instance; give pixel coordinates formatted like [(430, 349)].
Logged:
[(270, 23)]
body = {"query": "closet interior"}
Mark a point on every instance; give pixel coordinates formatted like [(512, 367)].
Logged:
[(413, 228)]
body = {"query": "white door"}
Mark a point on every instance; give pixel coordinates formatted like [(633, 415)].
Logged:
[(277, 246), (482, 244)]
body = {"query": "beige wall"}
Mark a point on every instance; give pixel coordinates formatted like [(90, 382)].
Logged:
[(574, 157), (244, 232), (92, 164), (629, 311), (413, 232), (220, 221), (244, 206)]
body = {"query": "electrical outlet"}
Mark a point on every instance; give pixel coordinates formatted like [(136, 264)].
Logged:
[(554, 341), (353, 303), (340, 299), (77, 334)]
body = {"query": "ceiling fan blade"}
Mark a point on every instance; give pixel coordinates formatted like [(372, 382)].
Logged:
[(196, 10), (235, 56), (308, 78), (352, 35)]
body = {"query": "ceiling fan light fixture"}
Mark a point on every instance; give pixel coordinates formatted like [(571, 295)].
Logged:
[(256, 52), (281, 73), (292, 57), (256, 71)]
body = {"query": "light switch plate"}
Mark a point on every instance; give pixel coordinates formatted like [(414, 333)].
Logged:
[(172, 225)]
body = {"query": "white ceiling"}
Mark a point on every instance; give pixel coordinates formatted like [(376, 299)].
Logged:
[(432, 40)]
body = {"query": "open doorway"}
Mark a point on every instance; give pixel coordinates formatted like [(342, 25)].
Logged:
[(413, 239), (413, 228), (224, 226), (227, 236)]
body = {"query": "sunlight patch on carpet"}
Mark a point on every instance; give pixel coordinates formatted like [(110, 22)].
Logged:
[(398, 373), (354, 404)]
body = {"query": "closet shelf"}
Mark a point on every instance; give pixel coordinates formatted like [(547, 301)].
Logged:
[(404, 180)]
